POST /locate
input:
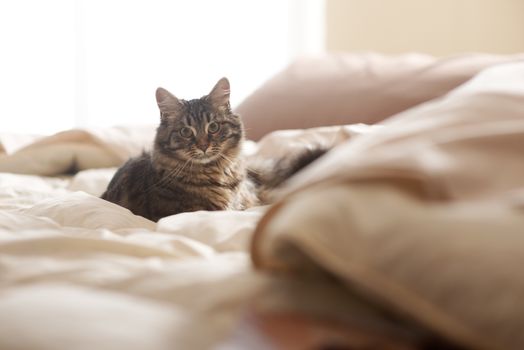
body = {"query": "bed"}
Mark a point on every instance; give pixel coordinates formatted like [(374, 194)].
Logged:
[(407, 234)]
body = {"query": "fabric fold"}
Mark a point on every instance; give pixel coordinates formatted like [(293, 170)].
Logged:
[(422, 215)]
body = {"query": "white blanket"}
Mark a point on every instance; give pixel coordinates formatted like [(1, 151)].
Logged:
[(422, 216), (77, 272)]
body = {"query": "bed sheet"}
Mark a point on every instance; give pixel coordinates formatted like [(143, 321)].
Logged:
[(78, 272)]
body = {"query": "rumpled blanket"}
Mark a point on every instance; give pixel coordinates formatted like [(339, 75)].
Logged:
[(423, 215), (78, 272)]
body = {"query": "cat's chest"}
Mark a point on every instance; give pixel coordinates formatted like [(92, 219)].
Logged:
[(204, 190), (210, 197)]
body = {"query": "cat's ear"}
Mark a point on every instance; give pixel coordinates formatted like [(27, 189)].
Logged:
[(219, 96), (167, 102)]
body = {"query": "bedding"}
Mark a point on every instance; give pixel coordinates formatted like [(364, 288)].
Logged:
[(80, 272), (349, 87), (423, 215), (408, 229)]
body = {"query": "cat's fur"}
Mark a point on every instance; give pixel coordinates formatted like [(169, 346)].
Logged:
[(200, 168)]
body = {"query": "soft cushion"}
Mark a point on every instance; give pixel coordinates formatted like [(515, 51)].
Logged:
[(349, 88)]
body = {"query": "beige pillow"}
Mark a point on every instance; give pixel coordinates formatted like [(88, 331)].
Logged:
[(351, 88)]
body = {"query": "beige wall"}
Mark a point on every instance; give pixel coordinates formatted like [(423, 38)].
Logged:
[(438, 27)]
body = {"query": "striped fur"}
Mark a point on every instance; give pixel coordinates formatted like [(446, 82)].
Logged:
[(192, 166)]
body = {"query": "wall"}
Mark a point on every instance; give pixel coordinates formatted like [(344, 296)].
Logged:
[(437, 27)]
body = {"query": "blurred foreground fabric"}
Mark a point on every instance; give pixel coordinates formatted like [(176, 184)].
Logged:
[(424, 214)]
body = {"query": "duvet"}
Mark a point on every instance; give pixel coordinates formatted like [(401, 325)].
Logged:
[(420, 216)]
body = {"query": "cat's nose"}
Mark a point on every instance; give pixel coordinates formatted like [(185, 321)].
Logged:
[(203, 146)]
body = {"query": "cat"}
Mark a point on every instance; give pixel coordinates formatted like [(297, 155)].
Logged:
[(196, 162)]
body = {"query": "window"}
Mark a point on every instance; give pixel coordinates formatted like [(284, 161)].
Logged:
[(87, 63)]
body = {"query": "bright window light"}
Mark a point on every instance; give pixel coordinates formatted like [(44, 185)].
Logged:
[(94, 63)]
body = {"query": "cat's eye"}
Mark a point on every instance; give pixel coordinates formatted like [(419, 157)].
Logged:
[(186, 132), (213, 127)]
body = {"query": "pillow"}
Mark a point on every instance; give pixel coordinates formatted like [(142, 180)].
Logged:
[(347, 88)]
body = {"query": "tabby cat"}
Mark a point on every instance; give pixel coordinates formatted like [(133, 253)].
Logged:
[(196, 162)]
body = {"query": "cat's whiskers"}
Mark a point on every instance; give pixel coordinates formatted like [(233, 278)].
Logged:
[(228, 160), (216, 151), (172, 175), (167, 178), (189, 161)]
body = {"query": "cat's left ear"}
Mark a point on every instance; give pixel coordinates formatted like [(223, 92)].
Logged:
[(219, 96)]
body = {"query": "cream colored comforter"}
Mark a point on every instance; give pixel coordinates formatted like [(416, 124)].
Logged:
[(77, 272), (422, 215)]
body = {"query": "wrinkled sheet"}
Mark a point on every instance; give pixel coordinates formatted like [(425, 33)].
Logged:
[(77, 272), (423, 215)]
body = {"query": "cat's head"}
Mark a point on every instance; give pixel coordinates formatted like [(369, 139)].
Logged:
[(201, 130)]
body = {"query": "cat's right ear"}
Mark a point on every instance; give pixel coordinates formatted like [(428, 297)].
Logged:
[(168, 104)]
